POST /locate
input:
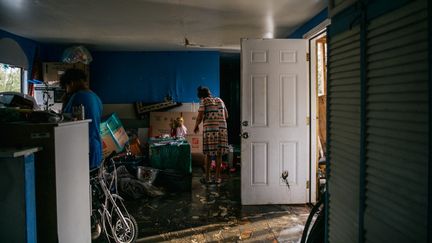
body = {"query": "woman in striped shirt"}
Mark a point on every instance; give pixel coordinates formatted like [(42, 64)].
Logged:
[(213, 113)]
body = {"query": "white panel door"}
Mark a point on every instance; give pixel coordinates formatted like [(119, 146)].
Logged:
[(274, 128)]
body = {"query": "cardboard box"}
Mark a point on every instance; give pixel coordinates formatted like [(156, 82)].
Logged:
[(108, 145), (113, 135), (53, 70), (196, 143), (189, 119), (160, 122)]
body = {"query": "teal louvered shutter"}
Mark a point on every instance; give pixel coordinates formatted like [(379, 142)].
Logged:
[(344, 135), (336, 6), (397, 121)]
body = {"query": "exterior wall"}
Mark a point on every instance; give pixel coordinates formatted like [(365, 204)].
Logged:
[(343, 100), (379, 123)]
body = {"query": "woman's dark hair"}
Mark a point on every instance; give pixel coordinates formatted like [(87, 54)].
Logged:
[(72, 75), (203, 92)]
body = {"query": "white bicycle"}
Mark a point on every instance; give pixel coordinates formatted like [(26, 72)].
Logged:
[(109, 214)]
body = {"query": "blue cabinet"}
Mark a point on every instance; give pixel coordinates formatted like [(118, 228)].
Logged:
[(17, 195)]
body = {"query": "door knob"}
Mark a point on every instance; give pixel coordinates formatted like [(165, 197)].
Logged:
[(245, 135), (245, 123)]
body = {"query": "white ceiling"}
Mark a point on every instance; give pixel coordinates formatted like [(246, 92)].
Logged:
[(150, 25)]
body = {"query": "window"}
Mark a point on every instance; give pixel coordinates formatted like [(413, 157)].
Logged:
[(10, 78)]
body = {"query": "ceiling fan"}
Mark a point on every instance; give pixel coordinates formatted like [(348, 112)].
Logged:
[(188, 44), (192, 45)]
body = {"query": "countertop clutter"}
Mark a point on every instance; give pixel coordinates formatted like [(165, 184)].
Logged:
[(150, 167)]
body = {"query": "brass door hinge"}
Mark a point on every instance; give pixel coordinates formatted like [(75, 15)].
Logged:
[(308, 120), (307, 184), (307, 57)]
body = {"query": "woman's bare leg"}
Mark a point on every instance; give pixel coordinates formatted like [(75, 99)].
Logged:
[(207, 163)]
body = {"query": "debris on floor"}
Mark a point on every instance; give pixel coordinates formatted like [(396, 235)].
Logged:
[(290, 234), (214, 214), (245, 235)]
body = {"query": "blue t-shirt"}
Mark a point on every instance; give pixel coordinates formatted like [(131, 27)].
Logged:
[(93, 110)]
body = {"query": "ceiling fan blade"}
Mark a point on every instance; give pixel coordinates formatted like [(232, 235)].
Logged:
[(190, 45), (186, 42)]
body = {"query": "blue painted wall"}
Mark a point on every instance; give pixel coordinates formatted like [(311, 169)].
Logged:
[(50, 52), (314, 21), (127, 77)]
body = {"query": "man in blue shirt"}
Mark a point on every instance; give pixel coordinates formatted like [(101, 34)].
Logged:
[(78, 93)]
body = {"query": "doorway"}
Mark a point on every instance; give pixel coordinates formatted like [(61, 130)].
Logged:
[(318, 109)]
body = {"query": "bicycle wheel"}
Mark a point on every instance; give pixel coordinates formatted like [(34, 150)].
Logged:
[(125, 233), (96, 226), (122, 231)]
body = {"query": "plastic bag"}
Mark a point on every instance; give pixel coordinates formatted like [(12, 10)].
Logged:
[(76, 54), (135, 189), (147, 174)]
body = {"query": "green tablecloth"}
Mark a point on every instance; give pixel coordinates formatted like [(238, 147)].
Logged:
[(171, 154)]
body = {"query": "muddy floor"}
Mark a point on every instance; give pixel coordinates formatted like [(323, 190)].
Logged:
[(213, 213)]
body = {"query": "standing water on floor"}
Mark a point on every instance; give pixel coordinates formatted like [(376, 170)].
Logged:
[(213, 213)]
